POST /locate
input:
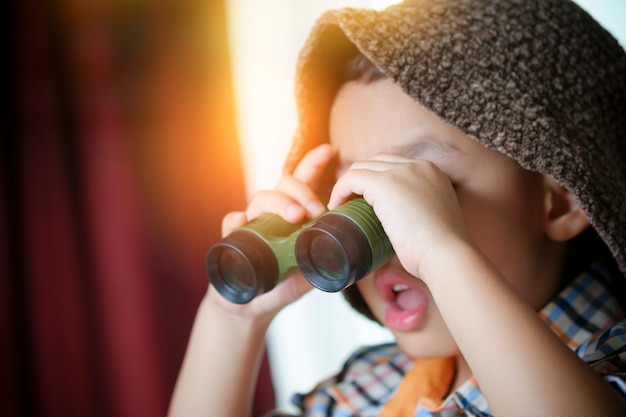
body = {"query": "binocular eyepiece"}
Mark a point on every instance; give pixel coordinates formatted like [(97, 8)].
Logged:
[(332, 251)]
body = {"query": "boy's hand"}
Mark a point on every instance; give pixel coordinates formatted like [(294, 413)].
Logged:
[(295, 200), (414, 200)]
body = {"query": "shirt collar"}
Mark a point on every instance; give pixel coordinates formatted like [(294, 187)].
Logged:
[(579, 311), (584, 307)]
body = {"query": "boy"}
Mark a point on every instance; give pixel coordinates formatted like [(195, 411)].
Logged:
[(489, 137)]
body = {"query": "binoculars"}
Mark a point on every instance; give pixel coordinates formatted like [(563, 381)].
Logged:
[(332, 251)]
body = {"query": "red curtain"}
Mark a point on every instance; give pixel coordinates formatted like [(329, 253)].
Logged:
[(119, 159)]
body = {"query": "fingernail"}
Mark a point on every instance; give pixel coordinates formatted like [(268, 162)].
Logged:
[(315, 208), (293, 212)]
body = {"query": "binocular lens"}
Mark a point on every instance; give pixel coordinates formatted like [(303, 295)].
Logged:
[(333, 252), (241, 267), (328, 257), (236, 270)]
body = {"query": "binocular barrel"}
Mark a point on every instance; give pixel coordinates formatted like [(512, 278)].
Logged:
[(332, 251)]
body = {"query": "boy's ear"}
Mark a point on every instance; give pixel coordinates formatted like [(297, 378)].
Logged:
[(564, 217)]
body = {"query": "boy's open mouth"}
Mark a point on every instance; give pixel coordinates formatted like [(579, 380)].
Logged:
[(406, 298), (405, 303)]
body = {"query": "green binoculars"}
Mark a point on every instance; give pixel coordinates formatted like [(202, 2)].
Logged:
[(332, 251)]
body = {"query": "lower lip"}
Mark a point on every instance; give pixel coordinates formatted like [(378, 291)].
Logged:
[(404, 320), (399, 319)]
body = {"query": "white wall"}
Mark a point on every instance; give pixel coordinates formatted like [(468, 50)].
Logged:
[(310, 339)]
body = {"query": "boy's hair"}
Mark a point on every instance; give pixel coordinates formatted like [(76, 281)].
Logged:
[(359, 68), (537, 80)]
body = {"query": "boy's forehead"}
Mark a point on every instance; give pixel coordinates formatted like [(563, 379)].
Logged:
[(379, 117)]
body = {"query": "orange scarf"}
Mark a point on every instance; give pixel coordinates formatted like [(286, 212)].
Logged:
[(427, 381)]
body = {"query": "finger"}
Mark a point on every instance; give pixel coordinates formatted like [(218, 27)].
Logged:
[(302, 194), (350, 184), (379, 163), (233, 220), (277, 203), (311, 167), (390, 157), (299, 286)]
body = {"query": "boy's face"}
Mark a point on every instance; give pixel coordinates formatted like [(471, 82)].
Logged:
[(503, 206)]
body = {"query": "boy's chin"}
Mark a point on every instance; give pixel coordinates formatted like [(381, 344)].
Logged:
[(422, 344)]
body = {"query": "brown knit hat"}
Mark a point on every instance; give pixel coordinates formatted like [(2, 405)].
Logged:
[(537, 80)]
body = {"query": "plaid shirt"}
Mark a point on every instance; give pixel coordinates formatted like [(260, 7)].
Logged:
[(584, 315)]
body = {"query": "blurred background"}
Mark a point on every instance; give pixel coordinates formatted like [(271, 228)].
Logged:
[(119, 157), (132, 127)]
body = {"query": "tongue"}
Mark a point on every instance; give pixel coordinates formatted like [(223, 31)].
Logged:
[(409, 299)]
